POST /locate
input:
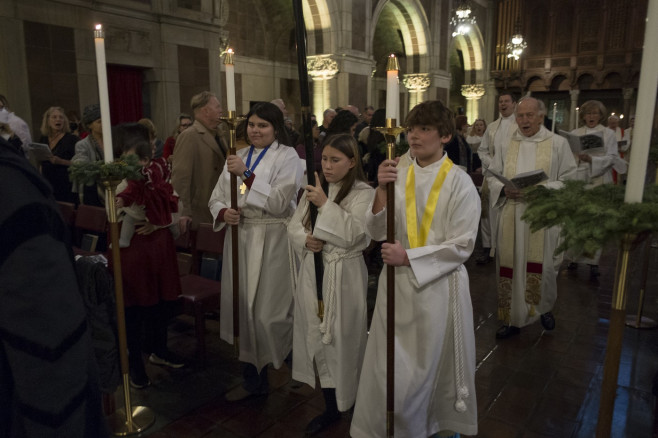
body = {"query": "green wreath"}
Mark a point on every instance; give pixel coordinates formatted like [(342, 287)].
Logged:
[(88, 173)]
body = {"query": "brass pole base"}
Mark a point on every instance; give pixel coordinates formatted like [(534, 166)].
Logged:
[(142, 419), (644, 323)]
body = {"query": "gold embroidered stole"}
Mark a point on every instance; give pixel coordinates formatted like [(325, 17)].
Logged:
[(535, 252), (418, 238)]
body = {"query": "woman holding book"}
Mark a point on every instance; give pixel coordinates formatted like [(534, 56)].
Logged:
[(595, 165)]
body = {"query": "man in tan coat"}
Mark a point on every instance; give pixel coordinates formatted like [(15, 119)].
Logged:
[(198, 161)]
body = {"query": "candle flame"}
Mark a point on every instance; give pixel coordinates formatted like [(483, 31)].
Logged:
[(99, 27), (230, 50)]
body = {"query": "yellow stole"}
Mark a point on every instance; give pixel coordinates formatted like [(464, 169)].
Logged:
[(418, 238), (535, 253)]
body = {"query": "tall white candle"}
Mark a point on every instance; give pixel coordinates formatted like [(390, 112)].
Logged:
[(101, 71), (554, 115), (392, 87), (230, 80), (646, 101)]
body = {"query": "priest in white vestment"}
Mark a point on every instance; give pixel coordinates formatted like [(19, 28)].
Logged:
[(437, 209), (495, 137), (527, 263)]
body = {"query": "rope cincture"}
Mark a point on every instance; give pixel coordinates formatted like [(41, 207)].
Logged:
[(462, 392), (331, 260)]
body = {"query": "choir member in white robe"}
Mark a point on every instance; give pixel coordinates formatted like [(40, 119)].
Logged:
[(271, 176), (495, 137), (337, 343), (527, 265), (595, 167), (437, 209)]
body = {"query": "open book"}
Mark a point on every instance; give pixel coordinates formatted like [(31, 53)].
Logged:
[(522, 180), (40, 152), (587, 143)]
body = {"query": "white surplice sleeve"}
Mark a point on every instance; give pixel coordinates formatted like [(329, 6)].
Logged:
[(483, 150), (296, 232), (496, 193), (603, 163), (344, 227), (220, 198)]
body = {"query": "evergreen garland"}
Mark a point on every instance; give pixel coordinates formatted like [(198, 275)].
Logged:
[(126, 167), (400, 148), (590, 217)]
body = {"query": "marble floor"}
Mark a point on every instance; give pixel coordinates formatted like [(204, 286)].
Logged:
[(537, 384)]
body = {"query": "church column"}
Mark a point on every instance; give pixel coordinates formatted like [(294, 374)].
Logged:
[(472, 93), (322, 69), (628, 96), (417, 84), (573, 114)]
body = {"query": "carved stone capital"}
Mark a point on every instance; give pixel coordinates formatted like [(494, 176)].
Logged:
[(416, 82), (473, 91), (321, 67)]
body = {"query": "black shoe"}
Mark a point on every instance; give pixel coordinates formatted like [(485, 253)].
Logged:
[(548, 321), (593, 272), (168, 360), (572, 266), (484, 257), (140, 382), (321, 422), (507, 331)]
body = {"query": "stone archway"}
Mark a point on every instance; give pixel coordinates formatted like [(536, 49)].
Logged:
[(471, 47), (320, 18), (401, 27)]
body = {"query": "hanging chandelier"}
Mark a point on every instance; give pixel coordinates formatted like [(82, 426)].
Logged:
[(462, 22), (516, 44)]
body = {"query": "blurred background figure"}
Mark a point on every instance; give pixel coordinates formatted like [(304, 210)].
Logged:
[(17, 125), (184, 122), (56, 133)]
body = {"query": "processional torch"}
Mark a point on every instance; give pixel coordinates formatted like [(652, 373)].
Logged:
[(390, 132), (232, 120)]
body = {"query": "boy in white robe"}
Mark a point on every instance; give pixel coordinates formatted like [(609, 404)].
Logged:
[(437, 209)]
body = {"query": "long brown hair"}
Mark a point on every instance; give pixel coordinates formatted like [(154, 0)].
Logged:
[(346, 144)]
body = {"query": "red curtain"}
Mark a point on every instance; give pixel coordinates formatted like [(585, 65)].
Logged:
[(125, 89)]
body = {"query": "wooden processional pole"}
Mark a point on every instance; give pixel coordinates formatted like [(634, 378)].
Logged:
[(302, 69)]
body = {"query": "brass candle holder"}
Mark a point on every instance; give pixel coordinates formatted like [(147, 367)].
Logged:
[(132, 419), (233, 120)]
